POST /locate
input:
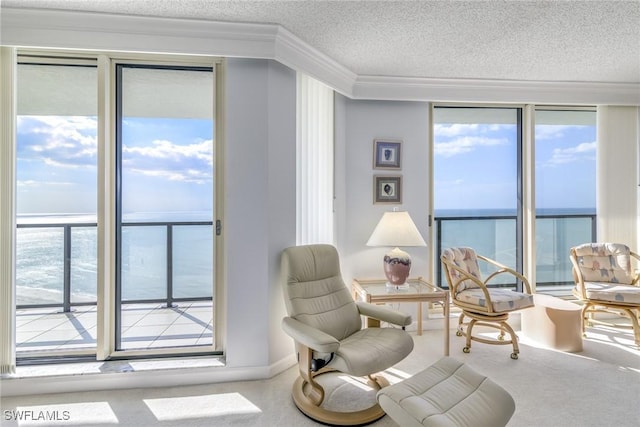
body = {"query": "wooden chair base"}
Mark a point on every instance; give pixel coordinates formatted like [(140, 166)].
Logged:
[(496, 322), (306, 405), (590, 308)]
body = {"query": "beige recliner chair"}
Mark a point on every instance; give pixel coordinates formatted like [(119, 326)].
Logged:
[(325, 323)]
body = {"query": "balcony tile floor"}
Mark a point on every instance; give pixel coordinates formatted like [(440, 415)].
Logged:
[(144, 326)]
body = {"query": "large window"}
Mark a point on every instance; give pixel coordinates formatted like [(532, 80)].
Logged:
[(151, 193), (480, 172)]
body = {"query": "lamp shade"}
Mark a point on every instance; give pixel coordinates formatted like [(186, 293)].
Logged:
[(396, 229)]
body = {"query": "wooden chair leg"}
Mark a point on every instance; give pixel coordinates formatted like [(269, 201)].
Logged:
[(314, 392)]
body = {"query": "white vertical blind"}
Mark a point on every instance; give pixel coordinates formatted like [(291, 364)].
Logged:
[(617, 174), (7, 209), (314, 155)]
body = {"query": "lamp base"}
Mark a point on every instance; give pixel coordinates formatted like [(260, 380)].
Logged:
[(397, 265), (400, 287)]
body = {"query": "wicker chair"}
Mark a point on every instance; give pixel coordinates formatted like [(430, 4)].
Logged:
[(483, 305), (606, 282)]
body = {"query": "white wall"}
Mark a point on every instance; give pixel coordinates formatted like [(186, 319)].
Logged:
[(260, 207), (365, 121), (282, 201)]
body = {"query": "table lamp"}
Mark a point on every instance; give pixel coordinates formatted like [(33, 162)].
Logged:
[(396, 229)]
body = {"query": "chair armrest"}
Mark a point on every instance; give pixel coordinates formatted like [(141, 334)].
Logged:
[(504, 269), (311, 337), (383, 313), (636, 272), (577, 275)]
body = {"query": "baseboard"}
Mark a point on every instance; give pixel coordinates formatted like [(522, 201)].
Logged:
[(47, 381)]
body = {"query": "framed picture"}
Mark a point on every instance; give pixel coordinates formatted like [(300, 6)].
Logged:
[(387, 154), (387, 189)]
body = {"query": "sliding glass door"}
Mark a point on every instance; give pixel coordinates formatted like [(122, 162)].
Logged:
[(165, 205), (116, 206)]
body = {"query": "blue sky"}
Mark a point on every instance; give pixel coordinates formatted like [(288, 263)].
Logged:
[(475, 166), (168, 165)]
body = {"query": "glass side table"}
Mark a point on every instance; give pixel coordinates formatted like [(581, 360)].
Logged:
[(419, 291)]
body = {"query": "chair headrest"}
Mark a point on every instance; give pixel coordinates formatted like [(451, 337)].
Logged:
[(310, 263), (601, 249)]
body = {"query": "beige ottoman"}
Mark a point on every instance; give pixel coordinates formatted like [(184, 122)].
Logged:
[(448, 393), (554, 323)]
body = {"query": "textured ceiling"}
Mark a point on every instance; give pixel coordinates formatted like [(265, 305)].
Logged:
[(594, 41)]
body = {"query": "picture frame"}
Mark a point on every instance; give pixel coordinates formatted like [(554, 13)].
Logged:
[(387, 189), (387, 154)]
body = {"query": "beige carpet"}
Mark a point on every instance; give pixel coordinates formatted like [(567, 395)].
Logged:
[(599, 386)]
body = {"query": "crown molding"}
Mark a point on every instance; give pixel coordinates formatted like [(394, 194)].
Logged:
[(300, 56), (86, 31), (37, 28), (495, 91)]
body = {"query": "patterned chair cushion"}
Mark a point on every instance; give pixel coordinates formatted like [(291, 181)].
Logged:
[(605, 263), (613, 292), (466, 259), (502, 300)]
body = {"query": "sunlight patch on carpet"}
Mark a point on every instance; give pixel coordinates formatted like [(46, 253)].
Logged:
[(210, 405), (360, 383), (394, 375)]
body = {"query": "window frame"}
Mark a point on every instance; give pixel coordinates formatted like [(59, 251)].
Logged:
[(107, 183), (526, 215)]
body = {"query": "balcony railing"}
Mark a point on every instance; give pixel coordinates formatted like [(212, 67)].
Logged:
[(495, 237), (62, 271)]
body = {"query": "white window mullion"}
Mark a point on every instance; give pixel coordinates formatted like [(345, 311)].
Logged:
[(105, 344)]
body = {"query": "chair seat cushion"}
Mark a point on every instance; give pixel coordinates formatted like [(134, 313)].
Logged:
[(372, 350), (613, 292), (447, 394), (502, 300)]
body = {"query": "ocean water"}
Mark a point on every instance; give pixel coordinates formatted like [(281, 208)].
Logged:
[(40, 264), (40, 251), (496, 238)]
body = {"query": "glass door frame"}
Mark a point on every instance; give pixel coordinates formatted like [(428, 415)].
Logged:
[(112, 214), (524, 191)]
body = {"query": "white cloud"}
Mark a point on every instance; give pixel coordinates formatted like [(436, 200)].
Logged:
[(59, 141), (162, 149), (164, 159), (454, 129), (568, 155), (32, 183), (550, 132), (466, 144), (70, 142)]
